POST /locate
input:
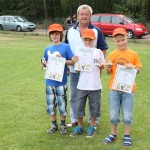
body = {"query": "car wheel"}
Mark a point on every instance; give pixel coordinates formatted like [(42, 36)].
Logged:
[(130, 34), (1, 27), (19, 29)]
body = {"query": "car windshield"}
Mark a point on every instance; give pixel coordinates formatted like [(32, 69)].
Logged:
[(128, 19), (20, 19)]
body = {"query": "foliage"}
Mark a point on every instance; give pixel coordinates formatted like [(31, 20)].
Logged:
[(34, 9), (139, 9), (23, 118)]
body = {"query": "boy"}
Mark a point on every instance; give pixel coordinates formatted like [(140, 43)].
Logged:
[(126, 57), (55, 90), (89, 86)]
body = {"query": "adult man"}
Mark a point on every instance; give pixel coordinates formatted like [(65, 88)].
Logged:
[(73, 37)]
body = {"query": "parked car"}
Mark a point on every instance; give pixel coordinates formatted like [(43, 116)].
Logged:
[(108, 22), (17, 23)]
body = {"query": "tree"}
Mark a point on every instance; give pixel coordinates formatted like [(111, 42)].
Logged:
[(140, 9), (37, 10), (67, 3)]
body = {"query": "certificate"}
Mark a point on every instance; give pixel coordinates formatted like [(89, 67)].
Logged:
[(124, 79), (55, 68), (85, 55)]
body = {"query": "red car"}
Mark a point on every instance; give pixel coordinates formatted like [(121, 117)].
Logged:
[(108, 22)]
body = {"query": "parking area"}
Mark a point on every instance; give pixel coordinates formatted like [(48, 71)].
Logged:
[(43, 31)]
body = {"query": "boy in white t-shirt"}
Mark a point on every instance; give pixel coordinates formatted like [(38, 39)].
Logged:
[(89, 86)]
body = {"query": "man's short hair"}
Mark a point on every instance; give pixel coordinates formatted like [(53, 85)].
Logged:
[(85, 7)]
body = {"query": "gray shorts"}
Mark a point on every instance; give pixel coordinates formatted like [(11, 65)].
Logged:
[(94, 102)]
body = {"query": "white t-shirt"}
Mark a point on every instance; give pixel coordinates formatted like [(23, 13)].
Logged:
[(91, 80)]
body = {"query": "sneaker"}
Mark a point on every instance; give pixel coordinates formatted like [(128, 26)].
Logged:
[(95, 126), (90, 132), (52, 129), (63, 129), (72, 124), (77, 130)]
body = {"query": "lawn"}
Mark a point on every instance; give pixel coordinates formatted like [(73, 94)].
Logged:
[(23, 117)]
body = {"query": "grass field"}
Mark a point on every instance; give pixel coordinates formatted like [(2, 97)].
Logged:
[(23, 117)]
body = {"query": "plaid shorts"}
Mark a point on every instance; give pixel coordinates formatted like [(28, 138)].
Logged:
[(56, 95)]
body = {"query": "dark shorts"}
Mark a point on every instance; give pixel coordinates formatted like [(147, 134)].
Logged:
[(94, 102)]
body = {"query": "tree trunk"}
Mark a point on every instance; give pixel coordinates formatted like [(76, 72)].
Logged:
[(45, 9), (71, 9), (79, 2)]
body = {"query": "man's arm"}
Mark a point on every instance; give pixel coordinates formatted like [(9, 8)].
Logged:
[(104, 53), (101, 42)]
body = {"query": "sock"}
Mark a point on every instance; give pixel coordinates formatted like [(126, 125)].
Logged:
[(63, 123), (126, 135), (114, 135), (54, 123)]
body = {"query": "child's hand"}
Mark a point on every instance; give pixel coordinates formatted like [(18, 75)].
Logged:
[(75, 58), (129, 65), (98, 64), (68, 71), (109, 64), (102, 66), (58, 55), (43, 63), (107, 68)]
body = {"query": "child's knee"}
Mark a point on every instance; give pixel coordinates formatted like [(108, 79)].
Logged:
[(114, 119), (127, 119), (51, 112)]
